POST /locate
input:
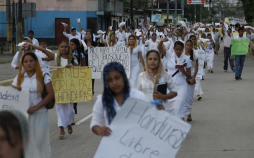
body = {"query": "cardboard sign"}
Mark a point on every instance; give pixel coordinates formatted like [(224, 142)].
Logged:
[(12, 99), (239, 46), (73, 85), (139, 130), (98, 57)]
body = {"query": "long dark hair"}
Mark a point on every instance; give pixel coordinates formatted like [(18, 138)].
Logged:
[(80, 49), (93, 42), (108, 94), (11, 126), (191, 53)]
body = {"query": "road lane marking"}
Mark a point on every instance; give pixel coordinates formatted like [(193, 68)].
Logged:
[(84, 119)]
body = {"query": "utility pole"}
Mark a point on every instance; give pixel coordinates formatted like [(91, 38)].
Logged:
[(152, 8), (8, 17), (195, 13), (167, 12), (175, 12), (200, 13), (20, 21), (132, 25)]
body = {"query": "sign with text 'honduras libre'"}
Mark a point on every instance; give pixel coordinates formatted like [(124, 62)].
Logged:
[(73, 85), (98, 57), (139, 130), (12, 99), (239, 46)]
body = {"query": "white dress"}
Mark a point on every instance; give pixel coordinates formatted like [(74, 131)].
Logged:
[(135, 68), (65, 112), (146, 85), (198, 88), (39, 141), (176, 104), (190, 89), (99, 112), (209, 55)]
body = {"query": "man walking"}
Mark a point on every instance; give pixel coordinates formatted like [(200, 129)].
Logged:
[(227, 49)]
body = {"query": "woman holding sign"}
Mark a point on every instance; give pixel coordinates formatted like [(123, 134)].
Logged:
[(155, 76), (179, 67), (116, 91), (32, 77), (136, 56)]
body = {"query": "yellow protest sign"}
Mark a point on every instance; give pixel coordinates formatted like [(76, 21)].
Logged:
[(73, 85), (220, 31)]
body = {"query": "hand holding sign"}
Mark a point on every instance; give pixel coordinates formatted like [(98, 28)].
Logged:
[(139, 130)]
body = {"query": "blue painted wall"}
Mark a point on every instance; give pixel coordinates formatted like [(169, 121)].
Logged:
[(44, 22)]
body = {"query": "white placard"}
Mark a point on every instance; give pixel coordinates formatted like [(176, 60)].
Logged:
[(201, 59), (11, 98), (98, 57), (139, 130)]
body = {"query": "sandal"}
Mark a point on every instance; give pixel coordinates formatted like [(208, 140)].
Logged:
[(61, 137), (69, 129)]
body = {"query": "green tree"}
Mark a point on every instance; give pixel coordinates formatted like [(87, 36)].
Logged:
[(248, 7)]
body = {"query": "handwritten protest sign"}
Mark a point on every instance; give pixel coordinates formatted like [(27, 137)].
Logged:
[(201, 60), (139, 130), (11, 99), (73, 85), (239, 46), (98, 57)]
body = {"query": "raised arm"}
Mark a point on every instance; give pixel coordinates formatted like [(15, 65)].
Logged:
[(102, 41), (66, 34), (160, 47), (48, 53)]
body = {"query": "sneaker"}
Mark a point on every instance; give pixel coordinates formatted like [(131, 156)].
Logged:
[(237, 78), (225, 70), (240, 78)]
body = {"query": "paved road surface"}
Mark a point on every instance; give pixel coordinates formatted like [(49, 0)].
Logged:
[(222, 127)]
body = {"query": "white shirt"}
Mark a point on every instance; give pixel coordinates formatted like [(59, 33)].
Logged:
[(134, 54), (127, 35), (99, 112), (227, 40), (179, 78), (121, 36), (16, 63), (43, 55), (70, 36), (35, 42), (31, 83), (146, 85), (250, 36), (152, 45)]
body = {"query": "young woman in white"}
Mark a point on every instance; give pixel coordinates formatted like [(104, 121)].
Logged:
[(191, 86), (136, 56), (198, 89), (65, 112), (29, 48), (116, 91), (154, 75), (179, 76), (32, 77), (210, 53), (111, 40)]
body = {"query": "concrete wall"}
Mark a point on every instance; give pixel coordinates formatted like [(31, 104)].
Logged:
[(60, 5)]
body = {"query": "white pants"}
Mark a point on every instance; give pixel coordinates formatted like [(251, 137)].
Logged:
[(135, 69), (38, 142), (65, 114), (176, 104), (209, 59), (198, 88), (189, 100)]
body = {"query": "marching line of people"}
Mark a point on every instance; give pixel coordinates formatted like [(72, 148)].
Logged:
[(169, 56)]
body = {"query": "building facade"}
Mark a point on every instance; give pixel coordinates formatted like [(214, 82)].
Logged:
[(50, 14)]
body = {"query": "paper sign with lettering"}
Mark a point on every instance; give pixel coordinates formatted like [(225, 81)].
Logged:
[(139, 130), (201, 60), (73, 85), (12, 99), (239, 46), (98, 57)]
